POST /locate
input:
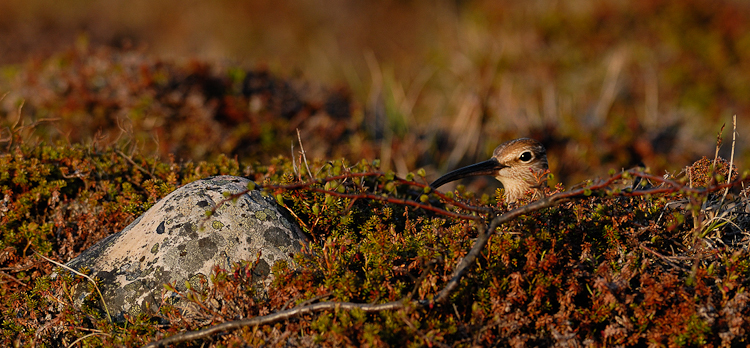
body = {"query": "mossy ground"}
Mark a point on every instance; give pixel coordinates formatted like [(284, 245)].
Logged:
[(601, 269)]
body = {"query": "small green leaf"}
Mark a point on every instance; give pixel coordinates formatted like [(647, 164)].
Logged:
[(390, 187)]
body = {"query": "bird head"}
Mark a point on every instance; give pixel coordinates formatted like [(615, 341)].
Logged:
[(517, 164)]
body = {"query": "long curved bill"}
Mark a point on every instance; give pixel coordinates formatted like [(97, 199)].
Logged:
[(488, 167)]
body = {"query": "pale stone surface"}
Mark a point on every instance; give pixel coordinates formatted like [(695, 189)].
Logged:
[(174, 241)]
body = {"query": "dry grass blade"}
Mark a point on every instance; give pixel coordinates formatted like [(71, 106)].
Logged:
[(304, 156), (87, 336), (104, 303), (731, 158)]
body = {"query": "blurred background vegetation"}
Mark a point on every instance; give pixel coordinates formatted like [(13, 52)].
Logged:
[(434, 84)]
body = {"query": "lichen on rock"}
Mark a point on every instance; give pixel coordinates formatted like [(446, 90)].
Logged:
[(177, 241)]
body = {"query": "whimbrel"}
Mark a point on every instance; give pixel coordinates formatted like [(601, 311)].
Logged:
[(517, 164)]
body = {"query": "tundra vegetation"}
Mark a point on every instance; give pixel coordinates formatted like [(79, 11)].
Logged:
[(92, 137)]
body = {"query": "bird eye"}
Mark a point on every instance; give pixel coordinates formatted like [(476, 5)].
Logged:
[(526, 156)]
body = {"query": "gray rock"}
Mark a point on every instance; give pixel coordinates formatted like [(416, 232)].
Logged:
[(174, 242)]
